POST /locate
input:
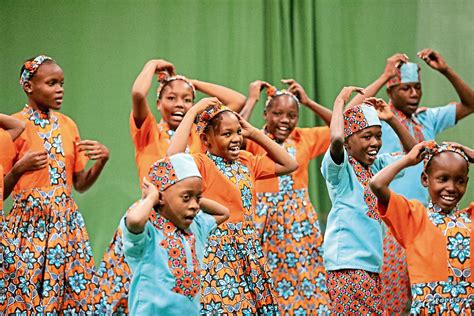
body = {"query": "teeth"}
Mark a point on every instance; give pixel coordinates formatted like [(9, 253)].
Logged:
[(178, 113), (372, 152), (281, 128), (448, 198)]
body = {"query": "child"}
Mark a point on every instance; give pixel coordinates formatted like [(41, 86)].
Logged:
[(175, 96), (438, 239), (353, 239), (44, 218), (284, 217), (236, 279), (164, 251)]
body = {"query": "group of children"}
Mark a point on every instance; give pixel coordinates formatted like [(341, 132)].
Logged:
[(225, 225)]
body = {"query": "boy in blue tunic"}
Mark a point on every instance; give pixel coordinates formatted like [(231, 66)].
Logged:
[(404, 89), (164, 237)]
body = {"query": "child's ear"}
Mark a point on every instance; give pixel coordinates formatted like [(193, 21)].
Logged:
[(158, 105), (424, 179), (27, 87), (204, 139), (161, 201)]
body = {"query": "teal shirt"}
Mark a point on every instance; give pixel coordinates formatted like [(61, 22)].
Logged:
[(152, 282), (352, 240), (433, 122)]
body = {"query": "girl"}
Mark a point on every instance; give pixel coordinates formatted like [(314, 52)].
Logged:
[(353, 239), (438, 239), (284, 217), (175, 96), (235, 276), (51, 232), (165, 252)]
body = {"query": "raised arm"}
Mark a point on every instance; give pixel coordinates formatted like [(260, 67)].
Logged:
[(94, 150), (321, 111), (465, 93), (385, 114), (231, 98), (255, 88), (393, 63), (284, 163), (211, 207), (11, 125), (141, 87), (137, 216), (337, 123), (379, 184), (180, 139)]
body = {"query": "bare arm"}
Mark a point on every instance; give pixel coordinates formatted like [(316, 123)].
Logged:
[(393, 63), (465, 93), (284, 163), (321, 111), (379, 184), (255, 89), (137, 216), (231, 98), (11, 125), (211, 207), (83, 180), (141, 87)]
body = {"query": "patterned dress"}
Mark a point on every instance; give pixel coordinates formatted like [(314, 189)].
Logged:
[(235, 277), (289, 229), (45, 223), (455, 296)]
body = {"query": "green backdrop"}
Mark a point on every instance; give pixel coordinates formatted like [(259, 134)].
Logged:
[(102, 46)]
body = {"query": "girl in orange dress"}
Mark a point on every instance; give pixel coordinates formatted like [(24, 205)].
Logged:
[(175, 96), (235, 276), (44, 219), (285, 219)]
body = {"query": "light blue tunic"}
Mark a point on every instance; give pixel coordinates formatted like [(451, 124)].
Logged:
[(353, 240), (151, 287), (433, 121)]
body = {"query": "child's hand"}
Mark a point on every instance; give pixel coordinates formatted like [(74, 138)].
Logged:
[(297, 90), (163, 65), (393, 63), (204, 104), (416, 154), (247, 128), (383, 110), (149, 190), (94, 150), (346, 93), (433, 59), (468, 151), (32, 161), (255, 88)]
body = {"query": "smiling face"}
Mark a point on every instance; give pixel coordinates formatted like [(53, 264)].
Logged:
[(176, 98), (365, 144), (281, 117), (446, 178), (180, 202), (406, 97), (45, 89), (224, 137)]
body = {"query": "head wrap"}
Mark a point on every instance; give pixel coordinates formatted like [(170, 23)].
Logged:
[(432, 149), (164, 78), (31, 66), (358, 117), (273, 92), (408, 72), (170, 170), (208, 114)]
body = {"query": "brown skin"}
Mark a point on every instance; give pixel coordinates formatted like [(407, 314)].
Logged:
[(175, 100), (406, 97), (365, 144), (281, 117)]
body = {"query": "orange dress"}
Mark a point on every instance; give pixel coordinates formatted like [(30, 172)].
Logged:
[(45, 220), (14, 273), (439, 254), (151, 141), (289, 229), (235, 277)]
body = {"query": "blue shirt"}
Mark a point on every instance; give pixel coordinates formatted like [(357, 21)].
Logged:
[(152, 282), (433, 122), (353, 240)]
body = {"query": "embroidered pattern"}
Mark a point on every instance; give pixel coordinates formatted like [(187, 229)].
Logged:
[(411, 124)]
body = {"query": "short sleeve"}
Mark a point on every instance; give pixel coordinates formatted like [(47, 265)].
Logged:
[(203, 225), (383, 160), (331, 171), (134, 244), (8, 152), (405, 218), (262, 166), (80, 159), (439, 118), (142, 136), (317, 139)]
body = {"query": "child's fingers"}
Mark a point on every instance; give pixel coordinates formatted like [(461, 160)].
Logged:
[(288, 81)]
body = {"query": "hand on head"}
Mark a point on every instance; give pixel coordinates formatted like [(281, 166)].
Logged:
[(149, 190), (468, 151), (162, 65), (416, 154), (433, 59), (256, 87), (393, 64), (204, 104), (383, 110), (93, 149), (247, 128), (346, 93), (296, 89)]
